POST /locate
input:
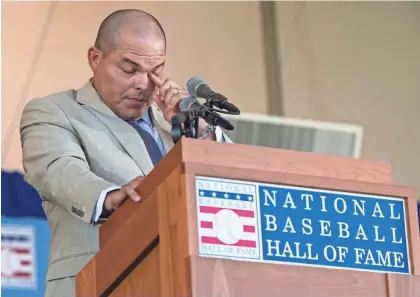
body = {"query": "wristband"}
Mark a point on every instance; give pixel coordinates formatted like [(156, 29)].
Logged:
[(207, 131)]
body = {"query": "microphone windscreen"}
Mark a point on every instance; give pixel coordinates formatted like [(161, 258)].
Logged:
[(193, 85), (186, 103)]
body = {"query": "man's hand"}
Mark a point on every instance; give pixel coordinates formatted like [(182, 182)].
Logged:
[(115, 198), (167, 97), (168, 94)]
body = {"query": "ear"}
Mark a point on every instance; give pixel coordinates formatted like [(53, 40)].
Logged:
[(94, 57)]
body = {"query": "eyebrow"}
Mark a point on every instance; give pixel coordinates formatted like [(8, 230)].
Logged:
[(137, 65), (130, 61)]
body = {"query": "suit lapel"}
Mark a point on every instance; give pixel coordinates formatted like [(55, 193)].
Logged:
[(123, 132)]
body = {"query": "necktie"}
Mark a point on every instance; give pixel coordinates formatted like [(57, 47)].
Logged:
[(151, 145)]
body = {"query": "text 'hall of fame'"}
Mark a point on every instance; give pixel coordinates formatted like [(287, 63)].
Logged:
[(330, 228)]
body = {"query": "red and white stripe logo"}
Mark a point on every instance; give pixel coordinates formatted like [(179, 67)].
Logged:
[(18, 259), (16, 263), (227, 219), (228, 226)]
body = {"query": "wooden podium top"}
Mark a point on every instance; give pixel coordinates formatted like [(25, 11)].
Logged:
[(167, 226)]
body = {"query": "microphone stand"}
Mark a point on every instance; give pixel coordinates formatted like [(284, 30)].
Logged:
[(186, 123)]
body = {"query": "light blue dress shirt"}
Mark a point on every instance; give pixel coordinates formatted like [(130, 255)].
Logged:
[(147, 124)]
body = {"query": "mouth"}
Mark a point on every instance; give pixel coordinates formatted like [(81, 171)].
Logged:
[(136, 100)]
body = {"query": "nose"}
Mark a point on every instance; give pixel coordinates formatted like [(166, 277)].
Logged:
[(141, 81)]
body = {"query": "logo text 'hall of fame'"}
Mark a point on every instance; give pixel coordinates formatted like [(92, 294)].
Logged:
[(227, 219)]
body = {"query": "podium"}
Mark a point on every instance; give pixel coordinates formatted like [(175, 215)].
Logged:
[(220, 219)]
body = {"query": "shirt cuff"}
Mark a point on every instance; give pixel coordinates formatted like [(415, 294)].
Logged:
[(100, 204), (219, 135)]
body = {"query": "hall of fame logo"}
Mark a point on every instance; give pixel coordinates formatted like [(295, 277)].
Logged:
[(295, 225), (227, 218), (18, 257)]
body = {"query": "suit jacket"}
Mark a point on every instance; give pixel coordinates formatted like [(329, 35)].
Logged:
[(74, 147)]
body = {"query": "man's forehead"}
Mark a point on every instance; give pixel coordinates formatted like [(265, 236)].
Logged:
[(143, 39), (141, 54), (142, 58), (142, 46)]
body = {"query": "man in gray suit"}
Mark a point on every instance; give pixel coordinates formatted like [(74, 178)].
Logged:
[(86, 150)]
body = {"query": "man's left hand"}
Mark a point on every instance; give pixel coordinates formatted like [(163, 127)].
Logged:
[(168, 94)]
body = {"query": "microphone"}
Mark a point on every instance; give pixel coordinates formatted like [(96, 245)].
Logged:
[(188, 103), (197, 87), (191, 104)]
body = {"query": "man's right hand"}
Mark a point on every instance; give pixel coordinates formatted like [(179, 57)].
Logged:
[(115, 198)]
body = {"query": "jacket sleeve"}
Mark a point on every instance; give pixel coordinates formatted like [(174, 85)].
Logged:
[(54, 161)]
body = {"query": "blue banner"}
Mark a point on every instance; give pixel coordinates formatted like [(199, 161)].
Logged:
[(25, 238), (329, 228), (18, 198), (301, 226)]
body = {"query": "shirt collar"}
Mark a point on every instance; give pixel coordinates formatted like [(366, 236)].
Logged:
[(146, 117)]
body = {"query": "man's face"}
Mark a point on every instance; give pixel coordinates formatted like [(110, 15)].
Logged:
[(120, 77)]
